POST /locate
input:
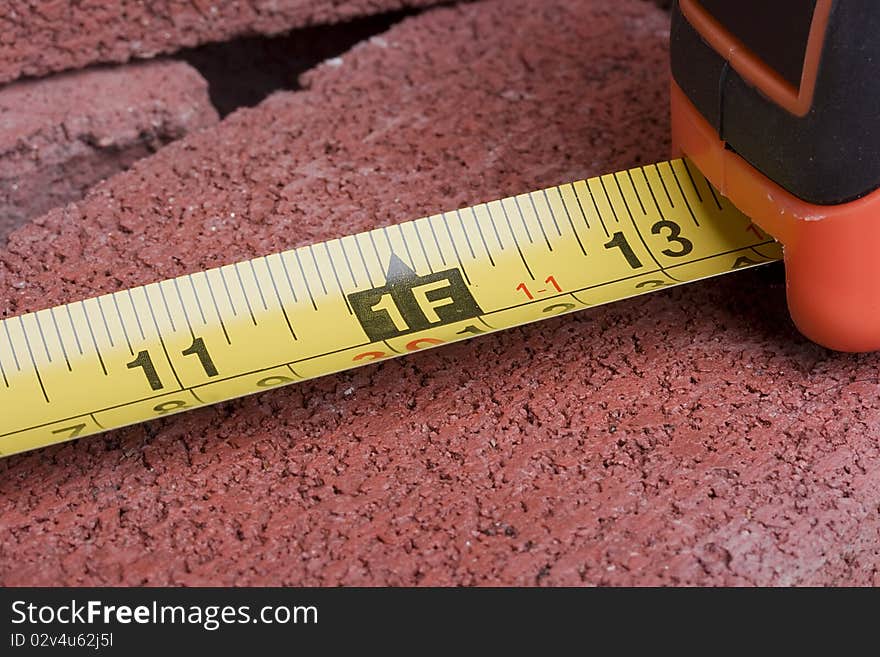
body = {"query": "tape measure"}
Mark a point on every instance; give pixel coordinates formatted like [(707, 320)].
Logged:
[(168, 347)]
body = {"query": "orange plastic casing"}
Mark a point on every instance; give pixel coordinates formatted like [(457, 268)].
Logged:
[(832, 253)]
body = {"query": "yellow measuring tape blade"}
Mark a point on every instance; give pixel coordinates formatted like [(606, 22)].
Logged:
[(167, 347)]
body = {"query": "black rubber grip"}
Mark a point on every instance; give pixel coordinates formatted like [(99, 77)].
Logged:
[(829, 156)]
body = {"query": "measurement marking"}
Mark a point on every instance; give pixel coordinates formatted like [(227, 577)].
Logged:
[(121, 323), (384, 230), (228, 294), (691, 178), (581, 301), (712, 192), (95, 420), (165, 303), (94, 339), (486, 324), (42, 336), (422, 246), (567, 214), (454, 248), (347, 261), (549, 207), (287, 276), (683, 195), (465, 233), (60, 340), (136, 315), (572, 293), (247, 299), (387, 344), (583, 289), (159, 335), (758, 253), (303, 274), (522, 218), (633, 184), (390, 247), (192, 285), (516, 241), (437, 242), (562, 307), (259, 287), (193, 393), (163, 394), (406, 246), (541, 222), (278, 295), (494, 227), (718, 255), (183, 306), (663, 182), (408, 260), (608, 198), (338, 282), (295, 373), (104, 321), (317, 269), (75, 417), (330, 353), (639, 232), (482, 237), (11, 346), (653, 198), (580, 206), (272, 367), (3, 372), (33, 360), (357, 243), (216, 305), (596, 207)]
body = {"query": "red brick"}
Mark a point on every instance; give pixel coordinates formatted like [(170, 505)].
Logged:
[(688, 437), (55, 35), (61, 135)]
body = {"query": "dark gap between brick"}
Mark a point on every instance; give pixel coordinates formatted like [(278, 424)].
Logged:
[(244, 71)]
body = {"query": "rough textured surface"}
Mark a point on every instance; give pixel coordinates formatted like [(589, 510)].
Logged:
[(55, 35), (688, 437), (61, 135)]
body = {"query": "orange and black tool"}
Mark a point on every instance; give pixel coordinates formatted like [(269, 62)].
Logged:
[(776, 101)]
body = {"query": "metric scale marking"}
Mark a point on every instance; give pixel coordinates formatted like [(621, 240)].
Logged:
[(202, 338)]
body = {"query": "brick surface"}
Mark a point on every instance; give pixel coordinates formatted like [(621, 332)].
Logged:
[(61, 135), (54, 35), (688, 437)]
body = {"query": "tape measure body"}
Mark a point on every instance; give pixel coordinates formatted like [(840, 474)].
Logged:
[(171, 346)]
